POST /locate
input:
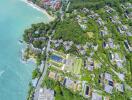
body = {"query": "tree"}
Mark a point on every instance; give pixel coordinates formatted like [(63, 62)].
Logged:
[(34, 74)]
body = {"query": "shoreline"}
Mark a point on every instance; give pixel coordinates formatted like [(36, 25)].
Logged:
[(51, 18)]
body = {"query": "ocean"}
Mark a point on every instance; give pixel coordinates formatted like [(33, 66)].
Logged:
[(15, 16)]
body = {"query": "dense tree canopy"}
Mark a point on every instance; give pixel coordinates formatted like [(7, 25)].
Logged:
[(69, 29)]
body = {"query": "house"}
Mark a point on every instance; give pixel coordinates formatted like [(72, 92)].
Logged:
[(119, 64), (36, 32), (108, 76), (109, 9), (111, 44), (45, 94), (82, 51), (116, 17), (85, 10), (105, 45), (67, 45), (106, 80), (119, 87), (115, 20), (117, 58), (39, 39), (85, 46), (96, 96), (52, 75), (89, 64), (127, 45), (71, 42), (119, 22), (108, 88), (130, 15), (78, 46), (73, 85), (95, 47), (100, 21), (129, 33), (87, 90), (105, 28), (124, 28), (103, 32), (60, 41), (96, 15), (119, 30), (92, 12), (121, 76), (54, 4), (57, 43), (83, 26)]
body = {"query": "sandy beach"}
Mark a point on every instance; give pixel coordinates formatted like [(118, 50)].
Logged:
[(51, 18)]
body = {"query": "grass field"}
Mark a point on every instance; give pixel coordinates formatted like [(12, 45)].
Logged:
[(90, 34), (73, 64)]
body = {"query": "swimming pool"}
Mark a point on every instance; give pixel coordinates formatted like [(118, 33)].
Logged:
[(56, 58)]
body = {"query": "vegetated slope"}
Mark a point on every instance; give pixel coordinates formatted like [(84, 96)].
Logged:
[(96, 4)]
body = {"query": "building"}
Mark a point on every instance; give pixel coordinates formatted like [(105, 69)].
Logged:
[(96, 96), (54, 4), (52, 75), (120, 87), (34, 82), (45, 94), (73, 85), (128, 46), (89, 64), (111, 43), (108, 88), (129, 33), (108, 76)]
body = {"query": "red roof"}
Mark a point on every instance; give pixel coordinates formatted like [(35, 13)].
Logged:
[(57, 5)]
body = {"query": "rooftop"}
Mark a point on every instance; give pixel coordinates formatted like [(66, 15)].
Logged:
[(46, 94)]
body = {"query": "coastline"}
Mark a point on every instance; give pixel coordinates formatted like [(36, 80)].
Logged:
[(51, 18)]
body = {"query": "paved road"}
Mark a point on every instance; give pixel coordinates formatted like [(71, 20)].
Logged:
[(43, 72)]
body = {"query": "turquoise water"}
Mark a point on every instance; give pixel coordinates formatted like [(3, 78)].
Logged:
[(15, 16)]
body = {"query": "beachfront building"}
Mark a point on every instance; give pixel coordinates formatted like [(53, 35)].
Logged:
[(54, 4)]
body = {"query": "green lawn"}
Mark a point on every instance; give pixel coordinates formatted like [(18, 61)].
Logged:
[(74, 64), (78, 65), (57, 64)]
